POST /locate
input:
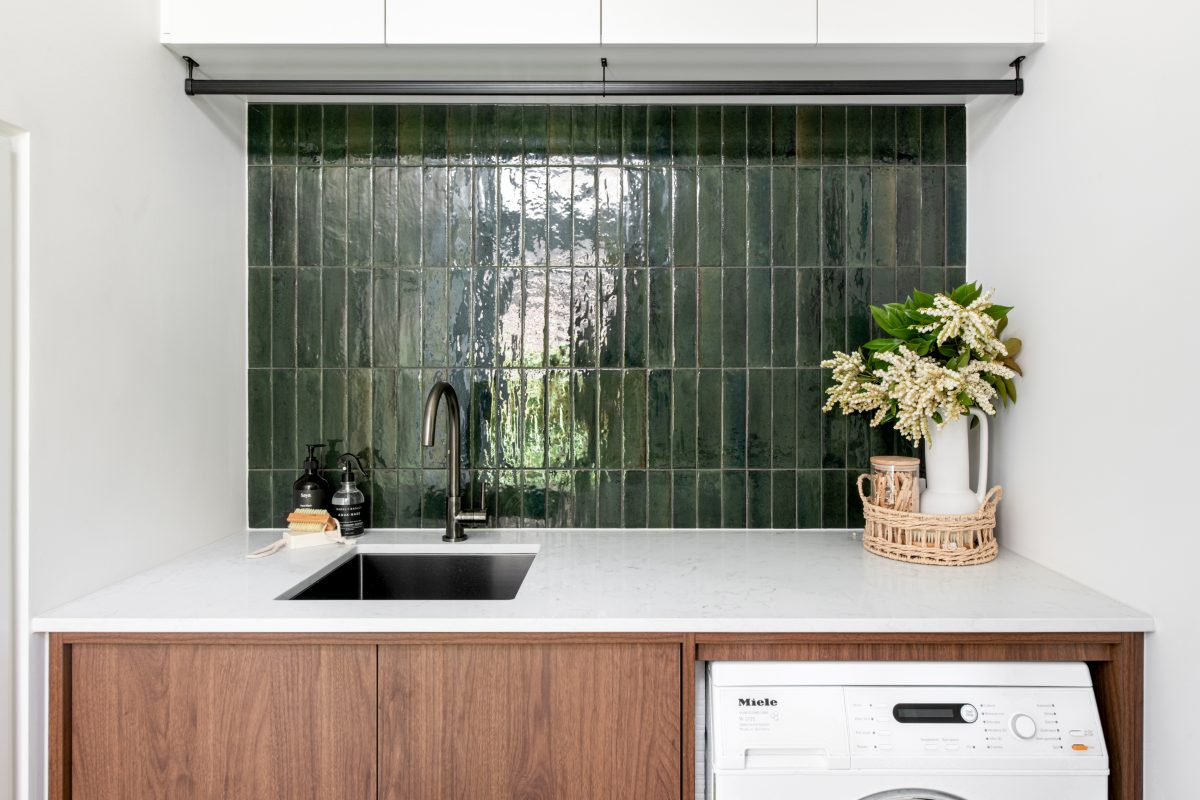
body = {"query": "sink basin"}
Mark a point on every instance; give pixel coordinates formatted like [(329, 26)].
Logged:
[(417, 576)]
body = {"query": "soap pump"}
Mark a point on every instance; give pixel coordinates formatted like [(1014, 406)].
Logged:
[(349, 503), (311, 490)]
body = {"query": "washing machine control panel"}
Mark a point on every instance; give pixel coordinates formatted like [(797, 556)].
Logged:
[(1019, 721)]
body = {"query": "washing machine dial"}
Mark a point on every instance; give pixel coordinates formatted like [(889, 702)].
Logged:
[(1023, 726)]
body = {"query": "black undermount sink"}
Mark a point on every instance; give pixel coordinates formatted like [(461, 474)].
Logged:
[(419, 576)]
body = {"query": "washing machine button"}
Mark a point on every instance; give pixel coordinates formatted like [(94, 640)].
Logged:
[(1023, 726), (968, 713)]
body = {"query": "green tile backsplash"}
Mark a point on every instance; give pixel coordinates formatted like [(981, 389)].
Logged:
[(632, 301)]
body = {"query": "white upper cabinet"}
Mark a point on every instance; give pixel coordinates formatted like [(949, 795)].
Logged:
[(710, 22), (272, 21), (493, 22), (931, 22)]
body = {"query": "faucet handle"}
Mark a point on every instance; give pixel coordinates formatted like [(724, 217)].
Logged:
[(472, 517)]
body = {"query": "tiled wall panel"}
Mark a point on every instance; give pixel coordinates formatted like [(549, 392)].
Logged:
[(631, 301)]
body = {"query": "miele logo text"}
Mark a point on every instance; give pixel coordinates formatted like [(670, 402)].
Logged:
[(766, 701)]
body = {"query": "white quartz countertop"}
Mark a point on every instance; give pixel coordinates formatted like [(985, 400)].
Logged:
[(611, 581)]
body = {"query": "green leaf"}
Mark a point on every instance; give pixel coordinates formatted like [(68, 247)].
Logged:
[(890, 322), (920, 299), (998, 312), (937, 417), (1003, 324), (964, 400), (1001, 388), (966, 294), (883, 345), (1013, 346), (1011, 386)]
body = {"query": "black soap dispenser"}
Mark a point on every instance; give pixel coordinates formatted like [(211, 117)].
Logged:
[(311, 490), (349, 503)]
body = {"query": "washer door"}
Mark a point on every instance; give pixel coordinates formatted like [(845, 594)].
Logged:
[(912, 794)]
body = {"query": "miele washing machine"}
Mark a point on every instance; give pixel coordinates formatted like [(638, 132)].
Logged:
[(903, 731)]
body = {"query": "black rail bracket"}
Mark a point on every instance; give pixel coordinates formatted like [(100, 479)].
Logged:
[(1018, 81), (187, 84)]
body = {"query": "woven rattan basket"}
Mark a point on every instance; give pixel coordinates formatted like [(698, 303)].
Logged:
[(946, 540)]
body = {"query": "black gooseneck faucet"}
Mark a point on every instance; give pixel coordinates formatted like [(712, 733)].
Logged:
[(456, 518)]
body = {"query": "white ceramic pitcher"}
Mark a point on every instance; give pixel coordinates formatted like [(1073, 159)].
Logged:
[(948, 470)]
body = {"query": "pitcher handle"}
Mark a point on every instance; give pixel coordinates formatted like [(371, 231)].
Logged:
[(981, 492)]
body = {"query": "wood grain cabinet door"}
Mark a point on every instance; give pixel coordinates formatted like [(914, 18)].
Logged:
[(531, 721), (259, 722)]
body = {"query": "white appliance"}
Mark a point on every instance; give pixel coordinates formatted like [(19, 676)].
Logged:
[(903, 731)]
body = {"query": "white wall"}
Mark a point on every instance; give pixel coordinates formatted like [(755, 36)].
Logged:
[(1084, 206), (8, 188), (136, 298)]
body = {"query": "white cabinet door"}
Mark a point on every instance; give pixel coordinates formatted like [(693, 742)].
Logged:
[(493, 22), (710, 22), (930, 21), (272, 21)]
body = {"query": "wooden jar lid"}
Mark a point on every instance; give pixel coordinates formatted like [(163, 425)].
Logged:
[(896, 462)]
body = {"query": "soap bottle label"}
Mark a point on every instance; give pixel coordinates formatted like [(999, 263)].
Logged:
[(350, 519), (309, 498)]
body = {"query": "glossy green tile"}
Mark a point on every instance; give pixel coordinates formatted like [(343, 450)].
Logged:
[(507, 126), (758, 318), (683, 135), (258, 134), (609, 431), (783, 217), (536, 507), (833, 135), (834, 433), (533, 421), (283, 419), (783, 317), (858, 302), (633, 207), (783, 418), (759, 506), (733, 317), (281, 496), (833, 216), (733, 135), (708, 499), (658, 218), (283, 317), (583, 134), (405, 328), (385, 417), (808, 499), (384, 140), (683, 394), (808, 217), (308, 135), (709, 217), (533, 337), (783, 135), (708, 135), (308, 216), (283, 216), (358, 318), (658, 135), (858, 135), (833, 498), (259, 314), (586, 496), (258, 212), (858, 442), (955, 276), (908, 135), (758, 216), (609, 250), (333, 415), (883, 134), (534, 134), (609, 500), (558, 134), (634, 133), (956, 217), (710, 322), (435, 121), (733, 212), (408, 135), (283, 134), (585, 311), (608, 134), (709, 436), (436, 322), (509, 216), (462, 245), (933, 216), (659, 498), (833, 310), (808, 135), (359, 218), (809, 419), (659, 327), (636, 291), (460, 128), (858, 216), (259, 418), (259, 496), (585, 395), (358, 134), (758, 135), (733, 418), (956, 135), (333, 135), (486, 188), (759, 393), (559, 234), (658, 419), (384, 202), (733, 499), (435, 219), (558, 318), (783, 499), (883, 216), (933, 279), (333, 217), (634, 419), (933, 135), (685, 312), (908, 216), (484, 403), (610, 330), (583, 217), (560, 499), (634, 498), (359, 419), (809, 348), (683, 499), (308, 317), (558, 419)]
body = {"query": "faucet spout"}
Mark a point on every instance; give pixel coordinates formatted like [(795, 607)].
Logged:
[(456, 518)]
